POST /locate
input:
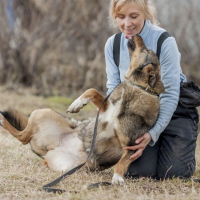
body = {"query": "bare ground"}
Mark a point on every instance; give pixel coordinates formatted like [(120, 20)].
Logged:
[(22, 175)]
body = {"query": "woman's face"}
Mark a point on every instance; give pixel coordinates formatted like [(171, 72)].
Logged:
[(130, 19)]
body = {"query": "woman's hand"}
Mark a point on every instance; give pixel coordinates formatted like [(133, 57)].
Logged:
[(141, 142)]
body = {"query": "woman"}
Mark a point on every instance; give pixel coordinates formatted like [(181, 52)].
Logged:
[(168, 149)]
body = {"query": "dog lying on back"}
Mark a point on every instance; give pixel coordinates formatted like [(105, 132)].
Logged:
[(126, 115)]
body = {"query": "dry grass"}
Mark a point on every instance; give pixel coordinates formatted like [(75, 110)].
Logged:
[(22, 175)]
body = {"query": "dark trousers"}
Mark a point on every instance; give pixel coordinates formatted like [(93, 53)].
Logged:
[(174, 153)]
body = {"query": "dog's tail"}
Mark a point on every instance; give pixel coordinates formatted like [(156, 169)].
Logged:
[(14, 121)]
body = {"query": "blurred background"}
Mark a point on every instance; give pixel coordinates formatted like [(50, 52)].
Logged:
[(57, 47)]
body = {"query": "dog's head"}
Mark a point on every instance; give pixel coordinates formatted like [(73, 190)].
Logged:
[(144, 65)]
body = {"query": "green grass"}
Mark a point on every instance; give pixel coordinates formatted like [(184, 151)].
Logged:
[(62, 103), (60, 100)]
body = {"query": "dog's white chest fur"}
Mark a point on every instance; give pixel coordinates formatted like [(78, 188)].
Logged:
[(110, 116)]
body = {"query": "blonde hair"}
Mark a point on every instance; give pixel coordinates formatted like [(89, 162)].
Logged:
[(146, 5)]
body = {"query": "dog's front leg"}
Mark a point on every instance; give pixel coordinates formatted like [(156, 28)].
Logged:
[(89, 95), (121, 168)]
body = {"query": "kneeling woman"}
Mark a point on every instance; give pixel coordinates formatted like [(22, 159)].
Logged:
[(168, 149)]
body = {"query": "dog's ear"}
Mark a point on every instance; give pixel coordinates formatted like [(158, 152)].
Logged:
[(155, 81)]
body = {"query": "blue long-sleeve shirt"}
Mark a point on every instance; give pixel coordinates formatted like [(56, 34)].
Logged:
[(171, 72)]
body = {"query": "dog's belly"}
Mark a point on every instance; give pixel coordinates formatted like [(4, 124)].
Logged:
[(67, 155)]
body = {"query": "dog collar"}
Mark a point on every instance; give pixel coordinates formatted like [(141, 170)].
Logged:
[(147, 89)]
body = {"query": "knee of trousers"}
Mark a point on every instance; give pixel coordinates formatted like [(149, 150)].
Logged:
[(142, 168), (146, 165), (176, 169)]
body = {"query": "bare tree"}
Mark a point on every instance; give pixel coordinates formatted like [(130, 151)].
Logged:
[(57, 44), (6, 64), (181, 20)]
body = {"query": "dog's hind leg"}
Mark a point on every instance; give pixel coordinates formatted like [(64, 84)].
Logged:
[(121, 168), (90, 95), (43, 122), (68, 155)]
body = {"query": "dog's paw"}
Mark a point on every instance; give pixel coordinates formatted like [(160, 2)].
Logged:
[(117, 180), (78, 104), (1, 119)]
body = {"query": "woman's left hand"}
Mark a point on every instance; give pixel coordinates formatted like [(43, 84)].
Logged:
[(141, 142)]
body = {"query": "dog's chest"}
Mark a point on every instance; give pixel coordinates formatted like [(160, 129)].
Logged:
[(110, 116), (113, 109)]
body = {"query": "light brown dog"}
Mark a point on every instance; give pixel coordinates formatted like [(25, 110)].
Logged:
[(128, 113)]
